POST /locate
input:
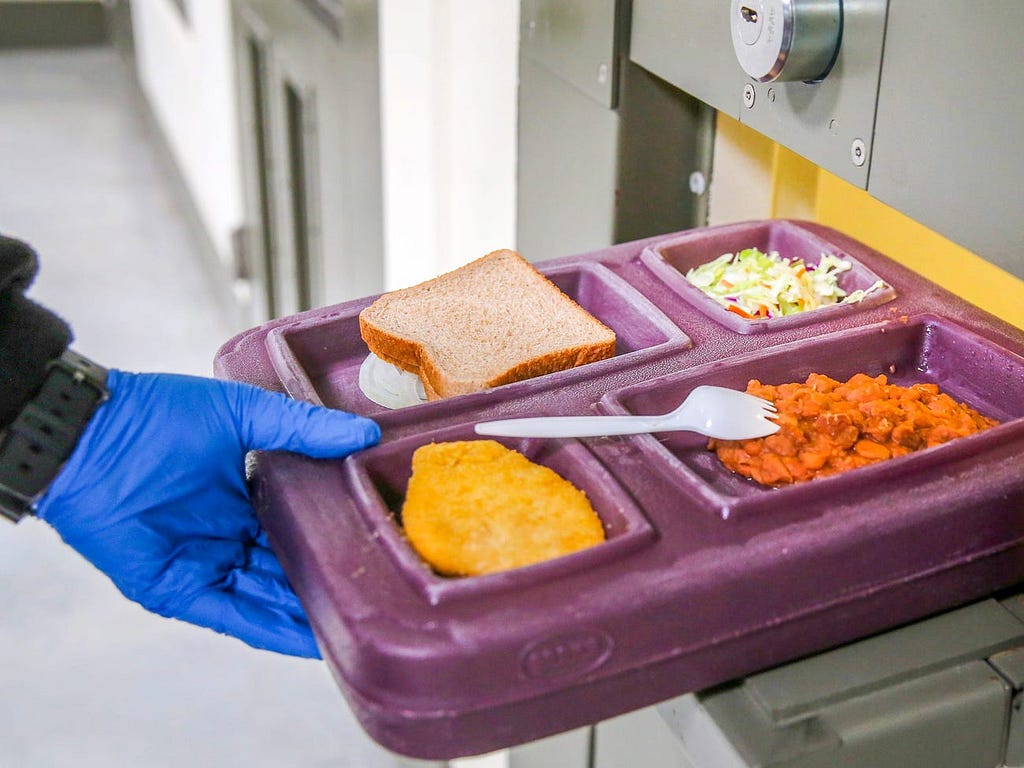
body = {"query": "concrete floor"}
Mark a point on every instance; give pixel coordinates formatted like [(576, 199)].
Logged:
[(87, 677)]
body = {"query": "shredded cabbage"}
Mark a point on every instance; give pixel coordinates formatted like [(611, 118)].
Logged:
[(755, 285)]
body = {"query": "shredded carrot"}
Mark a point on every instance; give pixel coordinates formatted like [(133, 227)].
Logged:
[(739, 311), (829, 427)]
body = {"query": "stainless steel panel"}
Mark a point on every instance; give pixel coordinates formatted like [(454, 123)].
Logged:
[(821, 121), (924, 694), (947, 135), (689, 44), (949, 718), (804, 687), (930, 128), (575, 40), (1010, 664), (591, 176), (665, 137), (566, 185), (954, 718)]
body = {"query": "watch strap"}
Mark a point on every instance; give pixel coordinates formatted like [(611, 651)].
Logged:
[(44, 434)]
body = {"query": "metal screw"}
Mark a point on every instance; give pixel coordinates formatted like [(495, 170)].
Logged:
[(858, 152), (698, 184), (771, 95), (748, 96)]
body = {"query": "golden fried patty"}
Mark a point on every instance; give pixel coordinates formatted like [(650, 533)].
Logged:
[(476, 507)]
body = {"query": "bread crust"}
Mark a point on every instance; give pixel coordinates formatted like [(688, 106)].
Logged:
[(417, 356)]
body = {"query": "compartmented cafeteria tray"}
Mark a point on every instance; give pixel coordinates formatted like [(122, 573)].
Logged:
[(705, 576)]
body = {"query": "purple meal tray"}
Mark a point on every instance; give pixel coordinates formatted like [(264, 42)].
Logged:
[(705, 576)]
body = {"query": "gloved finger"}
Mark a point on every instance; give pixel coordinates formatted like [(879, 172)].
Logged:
[(263, 559), (271, 590), (272, 421), (252, 622)]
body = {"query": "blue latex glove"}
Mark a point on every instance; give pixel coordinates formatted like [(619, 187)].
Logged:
[(155, 496)]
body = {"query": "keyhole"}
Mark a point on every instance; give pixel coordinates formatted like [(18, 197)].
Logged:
[(750, 21)]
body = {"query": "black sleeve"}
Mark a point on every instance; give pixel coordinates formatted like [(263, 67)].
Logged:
[(30, 335)]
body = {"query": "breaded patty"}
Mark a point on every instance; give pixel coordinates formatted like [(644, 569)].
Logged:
[(476, 507)]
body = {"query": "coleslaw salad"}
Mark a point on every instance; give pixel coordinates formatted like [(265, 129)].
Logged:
[(757, 285)]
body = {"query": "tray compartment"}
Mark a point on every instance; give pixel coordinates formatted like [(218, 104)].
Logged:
[(380, 477), (318, 357), (671, 259), (637, 323), (930, 349), (317, 360)]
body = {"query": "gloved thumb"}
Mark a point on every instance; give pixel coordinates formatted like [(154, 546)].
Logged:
[(270, 421)]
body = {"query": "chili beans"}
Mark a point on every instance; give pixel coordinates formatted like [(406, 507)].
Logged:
[(829, 427)]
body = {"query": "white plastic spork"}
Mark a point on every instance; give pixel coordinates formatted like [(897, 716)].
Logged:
[(713, 411)]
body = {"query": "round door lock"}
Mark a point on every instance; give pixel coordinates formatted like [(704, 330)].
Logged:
[(786, 39)]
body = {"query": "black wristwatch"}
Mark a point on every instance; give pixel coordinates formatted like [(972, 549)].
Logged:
[(44, 434)]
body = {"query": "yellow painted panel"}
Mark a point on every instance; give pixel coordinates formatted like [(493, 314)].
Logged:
[(851, 210), (794, 195), (754, 174), (741, 177)]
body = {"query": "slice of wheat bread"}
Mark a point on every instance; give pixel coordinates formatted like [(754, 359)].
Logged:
[(493, 321)]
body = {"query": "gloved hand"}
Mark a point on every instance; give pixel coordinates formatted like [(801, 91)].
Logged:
[(155, 496)]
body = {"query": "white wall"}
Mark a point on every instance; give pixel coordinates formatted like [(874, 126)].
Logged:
[(449, 72), (187, 74)]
